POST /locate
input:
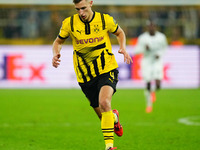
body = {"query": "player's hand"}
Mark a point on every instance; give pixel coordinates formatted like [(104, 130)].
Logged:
[(157, 57), (127, 57), (147, 48), (56, 60)]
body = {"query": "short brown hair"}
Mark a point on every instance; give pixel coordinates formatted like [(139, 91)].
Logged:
[(76, 1)]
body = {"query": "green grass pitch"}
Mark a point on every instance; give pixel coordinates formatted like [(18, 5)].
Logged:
[(62, 119)]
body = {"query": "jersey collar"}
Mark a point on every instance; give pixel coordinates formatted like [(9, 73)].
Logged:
[(90, 20)]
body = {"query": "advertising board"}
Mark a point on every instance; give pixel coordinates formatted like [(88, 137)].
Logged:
[(30, 67)]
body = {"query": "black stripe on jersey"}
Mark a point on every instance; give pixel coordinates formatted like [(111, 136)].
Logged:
[(102, 60), (72, 23), (103, 22), (82, 73), (92, 49), (108, 52), (94, 62), (86, 65), (88, 69), (87, 27), (95, 67), (99, 46)]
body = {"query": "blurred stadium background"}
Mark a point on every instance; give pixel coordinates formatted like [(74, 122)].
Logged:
[(28, 28), (38, 22), (39, 117)]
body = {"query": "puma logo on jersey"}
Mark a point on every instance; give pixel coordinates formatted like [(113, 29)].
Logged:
[(79, 31)]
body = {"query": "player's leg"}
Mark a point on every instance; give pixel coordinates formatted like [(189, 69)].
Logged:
[(158, 84), (148, 97), (117, 126), (155, 89), (153, 96), (157, 77), (115, 114), (107, 87), (107, 120), (147, 76), (94, 92)]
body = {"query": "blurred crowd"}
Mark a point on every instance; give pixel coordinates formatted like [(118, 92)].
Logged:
[(179, 23)]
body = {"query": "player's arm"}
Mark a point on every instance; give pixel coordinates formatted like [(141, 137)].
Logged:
[(140, 46), (163, 47), (57, 45), (122, 43)]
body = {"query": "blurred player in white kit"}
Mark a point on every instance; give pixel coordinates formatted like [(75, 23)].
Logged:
[(152, 44)]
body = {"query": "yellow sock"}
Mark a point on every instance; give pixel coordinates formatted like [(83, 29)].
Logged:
[(107, 126)]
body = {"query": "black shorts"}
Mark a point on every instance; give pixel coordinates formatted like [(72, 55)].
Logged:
[(92, 88)]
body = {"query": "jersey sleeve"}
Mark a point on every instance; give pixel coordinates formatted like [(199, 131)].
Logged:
[(140, 46), (112, 25), (65, 29), (165, 44), (163, 47)]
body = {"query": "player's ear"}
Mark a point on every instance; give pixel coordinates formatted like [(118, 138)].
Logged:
[(91, 3)]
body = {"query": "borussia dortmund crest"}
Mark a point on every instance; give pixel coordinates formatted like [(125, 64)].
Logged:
[(96, 28)]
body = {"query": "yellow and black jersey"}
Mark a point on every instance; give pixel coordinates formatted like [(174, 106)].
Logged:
[(92, 48)]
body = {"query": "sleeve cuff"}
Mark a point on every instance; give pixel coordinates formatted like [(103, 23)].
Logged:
[(116, 29), (62, 37)]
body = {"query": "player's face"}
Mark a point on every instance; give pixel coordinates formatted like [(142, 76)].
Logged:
[(151, 28), (84, 9)]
